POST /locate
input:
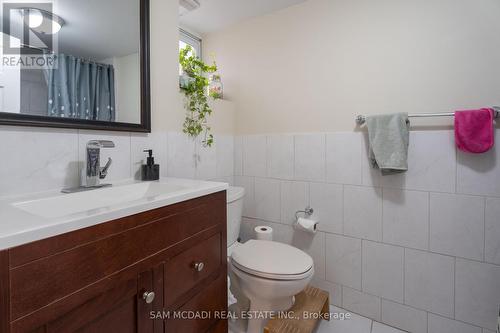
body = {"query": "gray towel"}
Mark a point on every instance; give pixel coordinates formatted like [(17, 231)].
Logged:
[(389, 138)]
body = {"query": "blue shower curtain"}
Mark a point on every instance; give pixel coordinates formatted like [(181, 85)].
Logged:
[(81, 89)]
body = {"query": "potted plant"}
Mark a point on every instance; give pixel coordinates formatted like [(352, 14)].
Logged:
[(193, 83)]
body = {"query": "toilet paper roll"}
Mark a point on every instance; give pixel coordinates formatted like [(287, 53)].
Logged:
[(264, 233), (307, 225)]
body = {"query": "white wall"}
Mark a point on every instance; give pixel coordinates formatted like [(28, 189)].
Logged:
[(316, 65)]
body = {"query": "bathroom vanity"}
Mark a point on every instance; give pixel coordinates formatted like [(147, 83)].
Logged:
[(158, 252)]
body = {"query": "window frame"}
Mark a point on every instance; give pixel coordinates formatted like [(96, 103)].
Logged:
[(192, 40)]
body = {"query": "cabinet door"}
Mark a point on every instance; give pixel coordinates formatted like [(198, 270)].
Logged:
[(125, 308)]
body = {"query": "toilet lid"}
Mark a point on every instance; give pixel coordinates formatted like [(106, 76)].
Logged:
[(271, 260)]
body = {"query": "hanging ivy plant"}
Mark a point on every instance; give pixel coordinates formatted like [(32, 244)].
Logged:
[(194, 83)]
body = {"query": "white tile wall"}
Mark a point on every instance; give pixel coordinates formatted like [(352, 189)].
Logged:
[(406, 218), (457, 225), (431, 161), (361, 303), (404, 317), (225, 155), (429, 282), (439, 324), (181, 156), (314, 245), (381, 328), (267, 199), (355, 323), (248, 225), (343, 260), (480, 174), (363, 212), (492, 232), (294, 197), (255, 156), (238, 156), (35, 160), (383, 270), (248, 183), (422, 213), (280, 156), (328, 203), (477, 293), (343, 158), (335, 290), (50, 159), (310, 157), (205, 160)]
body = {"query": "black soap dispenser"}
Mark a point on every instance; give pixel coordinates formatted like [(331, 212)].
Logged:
[(150, 171)]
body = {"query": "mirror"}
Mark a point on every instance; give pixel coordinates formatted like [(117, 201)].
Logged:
[(76, 64)]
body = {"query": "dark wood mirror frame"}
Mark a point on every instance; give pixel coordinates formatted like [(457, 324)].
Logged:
[(144, 126)]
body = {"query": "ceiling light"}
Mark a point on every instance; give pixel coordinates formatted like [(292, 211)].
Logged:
[(42, 21), (35, 18)]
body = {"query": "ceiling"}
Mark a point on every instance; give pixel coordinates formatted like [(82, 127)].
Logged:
[(215, 15), (97, 29)]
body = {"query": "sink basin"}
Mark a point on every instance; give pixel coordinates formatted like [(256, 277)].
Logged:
[(99, 199), (31, 217)]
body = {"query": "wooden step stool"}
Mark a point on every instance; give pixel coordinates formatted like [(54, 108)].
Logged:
[(311, 306)]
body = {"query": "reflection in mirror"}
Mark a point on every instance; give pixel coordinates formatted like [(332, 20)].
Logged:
[(72, 59)]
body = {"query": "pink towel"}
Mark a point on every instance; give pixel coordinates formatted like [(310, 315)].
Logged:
[(474, 130)]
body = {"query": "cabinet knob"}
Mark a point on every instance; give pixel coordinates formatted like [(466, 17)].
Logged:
[(148, 297), (198, 266)]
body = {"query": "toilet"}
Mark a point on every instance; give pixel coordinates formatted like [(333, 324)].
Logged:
[(268, 274)]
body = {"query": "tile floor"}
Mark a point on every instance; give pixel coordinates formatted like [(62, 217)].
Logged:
[(356, 324)]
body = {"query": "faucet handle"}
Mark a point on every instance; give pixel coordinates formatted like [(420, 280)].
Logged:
[(101, 144), (104, 171)]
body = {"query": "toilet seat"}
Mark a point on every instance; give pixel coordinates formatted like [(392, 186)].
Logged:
[(272, 260)]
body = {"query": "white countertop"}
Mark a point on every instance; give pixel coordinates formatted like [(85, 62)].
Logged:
[(28, 218)]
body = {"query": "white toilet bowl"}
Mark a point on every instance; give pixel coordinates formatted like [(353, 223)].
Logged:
[(269, 274), (264, 275)]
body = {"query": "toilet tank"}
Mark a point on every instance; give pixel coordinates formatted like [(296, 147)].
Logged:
[(234, 213)]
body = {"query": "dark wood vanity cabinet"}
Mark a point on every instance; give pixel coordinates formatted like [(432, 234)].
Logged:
[(101, 278)]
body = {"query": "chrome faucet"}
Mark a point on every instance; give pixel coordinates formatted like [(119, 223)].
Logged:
[(93, 173)]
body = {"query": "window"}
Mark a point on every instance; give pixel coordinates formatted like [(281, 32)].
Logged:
[(189, 39), (185, 38)]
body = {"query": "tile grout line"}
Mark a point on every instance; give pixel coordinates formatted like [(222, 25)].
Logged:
[(343, 209), (454, 288), (362, 267), (404, 275), (485, 202), (429, 221), (382, 213), (427, 321), (409, 189)]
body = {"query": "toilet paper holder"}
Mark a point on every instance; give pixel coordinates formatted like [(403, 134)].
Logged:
[(308, 211)]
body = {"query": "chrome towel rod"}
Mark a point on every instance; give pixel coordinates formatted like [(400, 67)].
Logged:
[(361, 119)]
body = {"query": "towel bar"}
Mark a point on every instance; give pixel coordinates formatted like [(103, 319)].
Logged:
[(360, 120)]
